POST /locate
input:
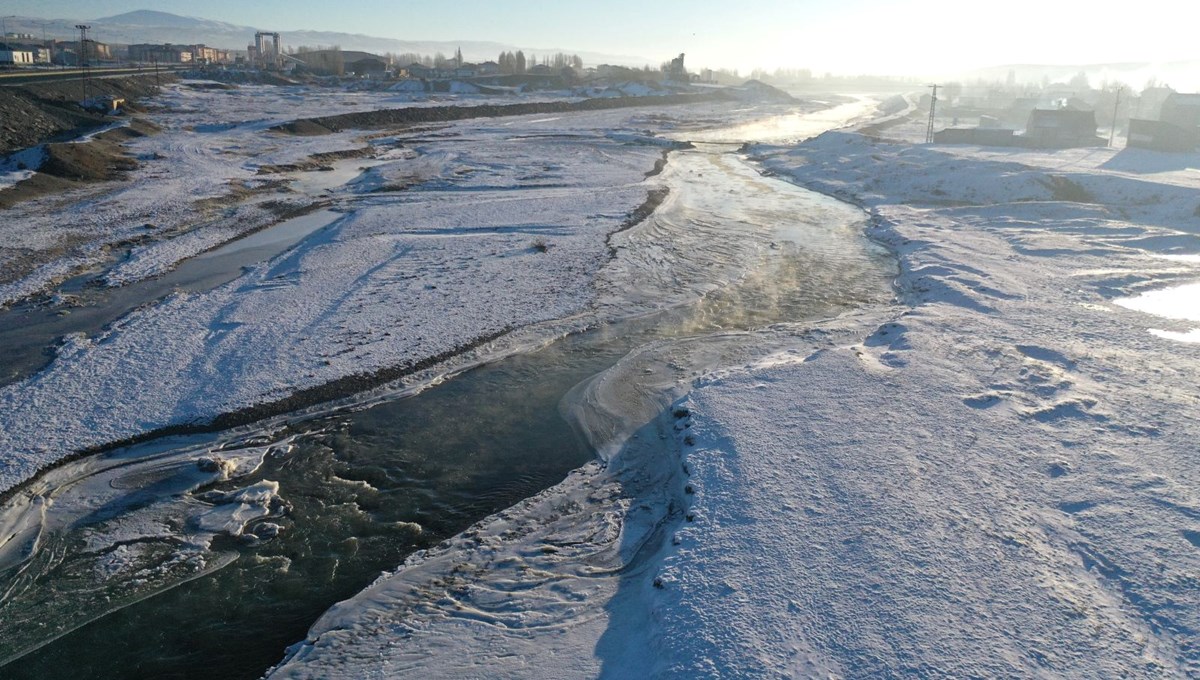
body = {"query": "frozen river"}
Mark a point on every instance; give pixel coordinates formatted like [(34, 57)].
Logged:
[(141, 563)]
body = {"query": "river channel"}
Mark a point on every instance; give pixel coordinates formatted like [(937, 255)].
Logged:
[(206, 556)]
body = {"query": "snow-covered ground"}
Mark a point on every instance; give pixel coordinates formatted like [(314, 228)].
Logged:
[(443, 236), (995, 477), (201, 172)]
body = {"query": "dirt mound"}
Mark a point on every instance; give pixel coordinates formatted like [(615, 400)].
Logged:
[(40, 184), (302, 128), (137, 128), (45, 112), (439, 114), (758, 91), (71, 91), (94, 160), (209, 85), (26, 121)]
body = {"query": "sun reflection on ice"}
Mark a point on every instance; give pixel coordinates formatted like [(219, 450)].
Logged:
[(1178, 302)]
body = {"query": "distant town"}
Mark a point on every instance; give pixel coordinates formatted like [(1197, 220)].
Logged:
[(267, 53), (1046, 114)]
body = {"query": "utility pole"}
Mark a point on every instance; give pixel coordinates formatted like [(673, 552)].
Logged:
[(932, 115), (1113, 132), (83, 58)]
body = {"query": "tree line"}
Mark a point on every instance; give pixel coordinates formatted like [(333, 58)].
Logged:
[(509, 62)]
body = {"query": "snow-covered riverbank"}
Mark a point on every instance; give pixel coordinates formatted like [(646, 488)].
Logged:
[(998, 482), (448, 236), (995, 478)]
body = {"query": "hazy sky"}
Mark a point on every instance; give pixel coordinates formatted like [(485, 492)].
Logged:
[(879, 36)]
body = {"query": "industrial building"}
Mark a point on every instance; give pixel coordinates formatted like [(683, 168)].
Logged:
[(15, 56)]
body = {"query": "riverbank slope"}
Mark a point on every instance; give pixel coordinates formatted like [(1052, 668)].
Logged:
[(995, 478)]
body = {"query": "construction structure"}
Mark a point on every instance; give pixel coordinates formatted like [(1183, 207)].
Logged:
[(266, 52)]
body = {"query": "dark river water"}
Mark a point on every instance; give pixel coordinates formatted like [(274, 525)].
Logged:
[(124, 565)]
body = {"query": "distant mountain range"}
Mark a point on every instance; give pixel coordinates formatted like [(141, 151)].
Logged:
[(148, 26)]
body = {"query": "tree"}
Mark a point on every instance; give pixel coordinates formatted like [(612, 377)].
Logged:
[(458, 59), (507, 62), (337, 61), (1079, 82), (951, 92), (520, 65)]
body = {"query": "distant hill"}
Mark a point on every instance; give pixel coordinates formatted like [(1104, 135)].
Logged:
[(152, 18), (149, 26)]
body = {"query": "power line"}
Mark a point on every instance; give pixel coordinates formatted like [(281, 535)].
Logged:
[(932, 115), (1113, 132), (84, 63)]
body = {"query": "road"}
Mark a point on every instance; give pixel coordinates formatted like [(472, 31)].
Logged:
[(25, 77)]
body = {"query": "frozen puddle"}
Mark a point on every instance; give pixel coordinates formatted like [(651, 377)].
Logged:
[(29, 333), (335, 176), (1178, 302)]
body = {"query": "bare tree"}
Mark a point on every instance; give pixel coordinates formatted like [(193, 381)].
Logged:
[(337, 61)]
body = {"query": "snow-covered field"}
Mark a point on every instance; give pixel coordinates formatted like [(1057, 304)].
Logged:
[(995, 477), (443, 236), (201, 172)]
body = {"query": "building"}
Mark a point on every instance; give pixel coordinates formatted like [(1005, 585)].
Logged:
[(149, 53), (371, 67), (676, 71), (341, 62), (1061, 129), (374, 67), (1177, 129), (69, 53), (15, 56), (202, 54), (1149, 103), (1182, 110), (1161, 136), (41, 53), (416, 70)]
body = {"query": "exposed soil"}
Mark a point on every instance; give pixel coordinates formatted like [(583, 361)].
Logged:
[(25, 121), (99, 159), (317, 161), (302, 128), (49, 112)]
